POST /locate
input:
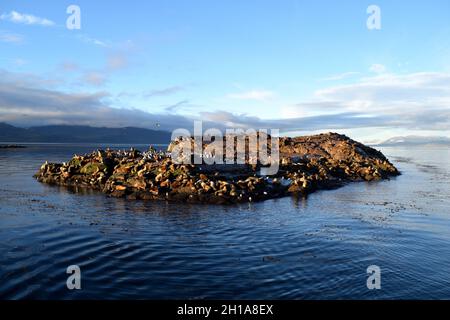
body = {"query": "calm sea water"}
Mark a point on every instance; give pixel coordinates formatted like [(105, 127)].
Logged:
[(315, 248)]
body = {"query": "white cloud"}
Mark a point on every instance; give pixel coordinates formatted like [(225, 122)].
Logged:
[(340, 76), (94, 78), (392, 93), (29, 19), (176, 106), (411, 101), (69, 66), (10, 37), (20, 62), (99, 76), (378, 68), (117, 61), (259, 95), (163, 92), (89, 40)]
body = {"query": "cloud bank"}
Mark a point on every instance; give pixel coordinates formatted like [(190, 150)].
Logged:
[(419, 101)]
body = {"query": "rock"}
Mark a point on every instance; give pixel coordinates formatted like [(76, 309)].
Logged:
[(121, 188), (307, 163), (137, 183), (92, 168)]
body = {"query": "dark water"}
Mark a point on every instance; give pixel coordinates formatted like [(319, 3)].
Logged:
[(317, 248)]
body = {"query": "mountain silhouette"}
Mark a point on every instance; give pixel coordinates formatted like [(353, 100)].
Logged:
[(82, 134)]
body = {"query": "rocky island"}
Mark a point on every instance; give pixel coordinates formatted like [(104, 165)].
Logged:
[(306, 164)]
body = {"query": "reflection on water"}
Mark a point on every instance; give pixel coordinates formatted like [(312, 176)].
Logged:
[(313, 248)]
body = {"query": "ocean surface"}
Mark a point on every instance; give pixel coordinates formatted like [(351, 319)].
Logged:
[(290, 248)]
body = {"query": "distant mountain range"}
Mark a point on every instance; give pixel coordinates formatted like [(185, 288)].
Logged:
[(415, 140), (82, 134), (130, 135)]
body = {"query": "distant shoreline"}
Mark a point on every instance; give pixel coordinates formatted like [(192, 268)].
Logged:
[(24, 144), (11, 146), (431, 144)]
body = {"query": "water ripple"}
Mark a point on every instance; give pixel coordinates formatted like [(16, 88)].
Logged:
[(291, 248)]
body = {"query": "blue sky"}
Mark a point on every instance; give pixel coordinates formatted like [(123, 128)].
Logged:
[(305, 66)]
